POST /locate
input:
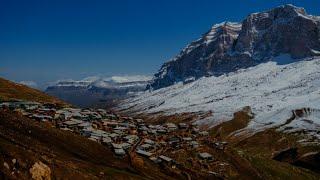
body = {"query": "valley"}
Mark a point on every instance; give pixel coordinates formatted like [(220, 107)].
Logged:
[(240, 102), (169, 150)]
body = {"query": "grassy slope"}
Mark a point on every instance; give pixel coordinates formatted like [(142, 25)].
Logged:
[(240, 120), (255, 152), (11, 91), (259, 148)]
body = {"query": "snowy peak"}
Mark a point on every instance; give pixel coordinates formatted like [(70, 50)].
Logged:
[(228, 46)]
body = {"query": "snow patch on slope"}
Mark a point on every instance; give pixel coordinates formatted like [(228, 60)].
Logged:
[(271, 89)]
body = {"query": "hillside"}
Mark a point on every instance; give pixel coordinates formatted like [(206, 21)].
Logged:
[(27, 142), (272, 91), (13, 91)]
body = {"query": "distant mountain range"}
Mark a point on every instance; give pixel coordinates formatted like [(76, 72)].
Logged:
[(98, 91), (228, 46)]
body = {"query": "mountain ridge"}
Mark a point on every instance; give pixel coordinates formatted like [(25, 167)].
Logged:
[(260, 37)]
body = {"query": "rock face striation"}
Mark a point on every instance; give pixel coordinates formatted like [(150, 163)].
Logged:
[(230, 46)]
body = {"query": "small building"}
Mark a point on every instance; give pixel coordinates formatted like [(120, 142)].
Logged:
[(62, 114), (220, 145), (143, 128), (28, 105), (155, 160), (94, 138), (111, 116), (47, 110), (119, 152), (131, 141), (194, 144), (102, 111), (163, 143), (183, 126), (161, 131), (120, 128), (152, 131), (121, 146), (139, 121), (106, 141), (143, 153), (40, 117), (116, 146), (119, 132), (195, 130), (72, 123), (126, 146), (173, 140), (145, 147), (205, 156), (114, 135), (98, 133), (66, 129), (84, 125), (131, 138), (149, 141), (204, 133), (171, 127), (187, 139), (111, 124), (86, 132), (165, 159)]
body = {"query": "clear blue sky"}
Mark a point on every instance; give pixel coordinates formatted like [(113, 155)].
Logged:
[(48, 40)]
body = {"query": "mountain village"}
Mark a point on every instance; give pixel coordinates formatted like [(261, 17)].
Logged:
[(177, 146)]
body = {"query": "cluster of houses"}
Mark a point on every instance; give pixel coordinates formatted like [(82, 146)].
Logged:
[(125, 135), (159, 141)]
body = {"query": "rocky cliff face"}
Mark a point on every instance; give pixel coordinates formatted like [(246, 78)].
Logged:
[(285, 29), (230, 46)]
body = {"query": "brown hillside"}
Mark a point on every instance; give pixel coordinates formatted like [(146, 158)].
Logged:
[(11, 91)]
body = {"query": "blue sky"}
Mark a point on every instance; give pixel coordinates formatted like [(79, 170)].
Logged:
[(45, 40)]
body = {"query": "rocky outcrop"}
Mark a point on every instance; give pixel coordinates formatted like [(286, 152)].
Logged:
[(310, 160), (230, 46), (40, 171), (285, 29), (286, 155)]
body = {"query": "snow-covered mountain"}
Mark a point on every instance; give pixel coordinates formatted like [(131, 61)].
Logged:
[(270, 62), (286, 96), (95, 90), (230, 46)]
